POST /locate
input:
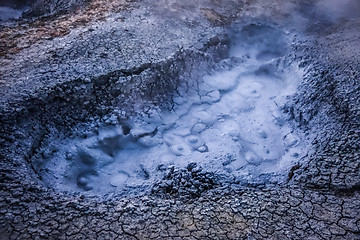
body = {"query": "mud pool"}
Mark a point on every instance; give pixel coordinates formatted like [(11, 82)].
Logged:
[(229, 122)]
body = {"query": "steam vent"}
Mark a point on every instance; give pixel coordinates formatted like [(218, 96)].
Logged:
[(169, 119)]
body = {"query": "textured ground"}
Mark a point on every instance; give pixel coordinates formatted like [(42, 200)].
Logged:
[(71, 72)]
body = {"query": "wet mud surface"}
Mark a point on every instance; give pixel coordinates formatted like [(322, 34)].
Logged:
[(169, 120)]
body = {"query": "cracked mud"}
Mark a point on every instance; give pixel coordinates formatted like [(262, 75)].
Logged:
[(170, 120)]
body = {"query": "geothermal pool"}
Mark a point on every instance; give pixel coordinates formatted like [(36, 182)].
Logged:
[(230, 122)]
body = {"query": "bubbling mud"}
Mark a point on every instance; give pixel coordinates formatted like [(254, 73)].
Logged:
[(230, 123)]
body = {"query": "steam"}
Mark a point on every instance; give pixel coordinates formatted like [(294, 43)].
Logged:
[(7, 13), (340, 9), (13, 9)]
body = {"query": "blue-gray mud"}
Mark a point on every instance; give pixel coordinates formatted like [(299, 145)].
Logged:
[(172, 120)]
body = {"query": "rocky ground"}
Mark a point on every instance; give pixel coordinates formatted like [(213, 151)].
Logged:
[(76, 67)]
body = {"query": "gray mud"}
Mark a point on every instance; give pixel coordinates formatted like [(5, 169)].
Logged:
[(76, 94)]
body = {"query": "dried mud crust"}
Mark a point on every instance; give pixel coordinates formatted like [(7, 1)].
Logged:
[(327, 105), (50, 25), (321, 200), (278, 213)]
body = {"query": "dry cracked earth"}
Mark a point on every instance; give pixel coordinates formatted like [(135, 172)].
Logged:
[(69, 67)]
